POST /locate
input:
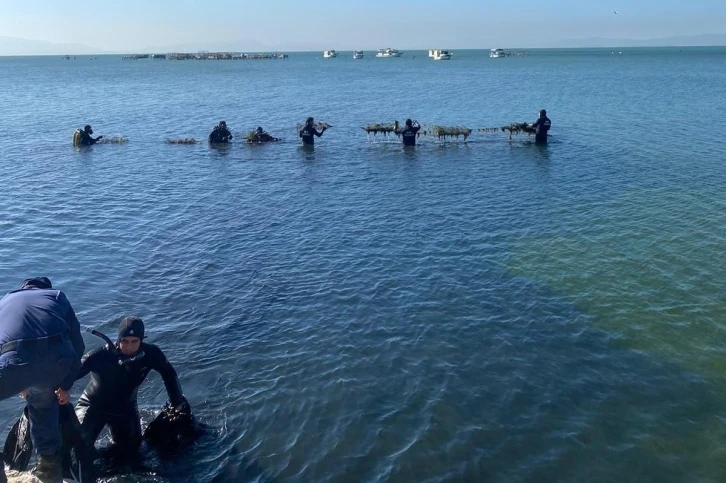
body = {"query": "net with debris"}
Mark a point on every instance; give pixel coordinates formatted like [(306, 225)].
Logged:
[(382, 128), (183, 141)]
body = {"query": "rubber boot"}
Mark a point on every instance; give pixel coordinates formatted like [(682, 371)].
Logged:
[(48, 469)]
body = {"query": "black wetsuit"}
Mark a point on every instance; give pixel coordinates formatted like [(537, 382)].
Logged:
[(87, 140), (541, 126), (110, 397), (220, 135), (262, 138), (409, 135), (307, 134)]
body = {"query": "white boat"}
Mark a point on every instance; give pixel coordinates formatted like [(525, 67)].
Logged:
[(389, 52), (329, 54), (497, 53), (439, 54), (358, 54)]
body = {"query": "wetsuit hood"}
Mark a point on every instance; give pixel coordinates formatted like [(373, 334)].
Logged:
[(131, 326)]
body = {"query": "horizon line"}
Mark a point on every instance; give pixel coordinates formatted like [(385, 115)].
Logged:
[(144, 52)]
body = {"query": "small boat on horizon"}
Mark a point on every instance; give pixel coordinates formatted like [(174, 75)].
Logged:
[(329, 54), (388, 52), (358, 54), (498, 53), (439, 54)]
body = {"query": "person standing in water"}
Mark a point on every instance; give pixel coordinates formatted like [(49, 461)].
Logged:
[(220, 134), (308, 132), (408, 134), (542, 127)]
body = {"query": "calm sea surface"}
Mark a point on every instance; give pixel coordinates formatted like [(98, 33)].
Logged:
[(484, 311)]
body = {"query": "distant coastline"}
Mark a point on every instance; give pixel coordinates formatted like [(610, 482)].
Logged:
[(12, 46), (277, 55)]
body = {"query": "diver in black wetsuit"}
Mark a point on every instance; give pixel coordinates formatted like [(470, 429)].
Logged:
[(220, 134), (409, 132), (542, 127), (308, 132), (260, 136), (85, 136), (116, 374)]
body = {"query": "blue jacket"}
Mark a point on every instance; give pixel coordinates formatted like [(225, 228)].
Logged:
[(39, 313)]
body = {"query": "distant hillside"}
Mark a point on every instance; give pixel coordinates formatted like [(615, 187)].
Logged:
[(17, 46), (243, 45)]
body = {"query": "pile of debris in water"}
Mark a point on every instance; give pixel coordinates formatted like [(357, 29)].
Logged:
[(440, 132), (518, 127), (443, 132), (113, 140), (448, 132), (183, 141), (385, 129)]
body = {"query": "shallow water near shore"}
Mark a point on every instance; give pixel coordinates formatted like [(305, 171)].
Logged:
[(480, 311)]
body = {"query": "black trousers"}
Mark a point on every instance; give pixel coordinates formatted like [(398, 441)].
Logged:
[(124, 425)]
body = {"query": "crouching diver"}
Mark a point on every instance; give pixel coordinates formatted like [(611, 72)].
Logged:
[(84, 138), (117, 371), (259, 135)]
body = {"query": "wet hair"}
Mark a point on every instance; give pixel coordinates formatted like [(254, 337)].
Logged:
[(37, 282), (87, 128), (409, 123), (223, 123), (542, 112), (309, 121)]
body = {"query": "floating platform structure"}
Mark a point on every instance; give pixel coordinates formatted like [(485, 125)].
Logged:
[(225, 56), (208, 56)]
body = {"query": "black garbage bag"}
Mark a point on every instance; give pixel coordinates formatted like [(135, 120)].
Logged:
[(77, 457), (18, 447), (173, 428)]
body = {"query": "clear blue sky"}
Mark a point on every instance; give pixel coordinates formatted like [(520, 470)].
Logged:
[(134, 24)]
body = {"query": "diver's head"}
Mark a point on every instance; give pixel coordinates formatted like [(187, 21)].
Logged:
[(260, 130), (542, 113), (37, 282), (310, 121), (88, 129), (223, 124), (409, 123), (130, 335)]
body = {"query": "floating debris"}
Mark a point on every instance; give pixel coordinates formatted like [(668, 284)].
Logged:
[(448, 132), (384, 129), (518, 127), (183, 141), (258, 136), (113, 140)]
